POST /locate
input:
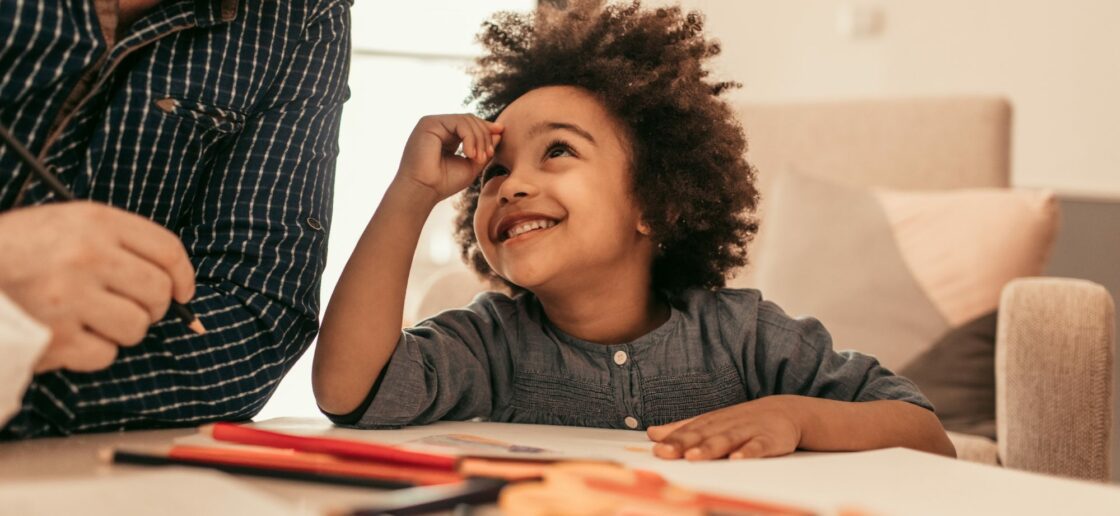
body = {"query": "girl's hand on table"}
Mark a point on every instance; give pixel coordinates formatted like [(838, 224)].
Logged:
[(765, 427)]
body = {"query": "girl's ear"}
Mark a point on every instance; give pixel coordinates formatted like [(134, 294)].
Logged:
[(644, 228)]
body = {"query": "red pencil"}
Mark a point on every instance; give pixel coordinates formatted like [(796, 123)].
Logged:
[(344, 448)]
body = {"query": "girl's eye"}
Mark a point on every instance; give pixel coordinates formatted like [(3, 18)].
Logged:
[(558, 149), (492, 172)]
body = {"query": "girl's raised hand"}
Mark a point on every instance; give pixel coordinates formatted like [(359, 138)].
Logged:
[(431, 159), (759, 428)]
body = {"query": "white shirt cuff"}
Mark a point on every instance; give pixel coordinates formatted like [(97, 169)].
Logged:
[(22, 342)]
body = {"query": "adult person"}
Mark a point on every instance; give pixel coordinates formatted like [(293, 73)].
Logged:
[(203, 134)]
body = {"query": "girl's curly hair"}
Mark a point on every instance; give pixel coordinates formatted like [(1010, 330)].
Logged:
[(690, 177)]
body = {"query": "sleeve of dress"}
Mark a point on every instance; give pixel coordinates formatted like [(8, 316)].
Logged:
[(795, 356), (442, 369)]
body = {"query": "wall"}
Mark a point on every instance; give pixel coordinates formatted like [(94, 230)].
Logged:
[(1056, 61)]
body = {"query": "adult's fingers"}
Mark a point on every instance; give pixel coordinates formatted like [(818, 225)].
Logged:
[(159, 246), (140, 281), (86, 352), (116, 319)]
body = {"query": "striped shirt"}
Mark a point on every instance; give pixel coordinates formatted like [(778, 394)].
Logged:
[(217, 119)]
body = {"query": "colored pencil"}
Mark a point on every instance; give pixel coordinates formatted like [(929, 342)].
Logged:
[(285, 464), (423, 500), (182, 311), (343, 448)]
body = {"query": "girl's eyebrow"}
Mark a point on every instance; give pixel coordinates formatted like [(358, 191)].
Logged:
[(561, 126)]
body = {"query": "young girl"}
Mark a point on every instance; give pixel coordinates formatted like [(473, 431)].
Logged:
[(611, 195)]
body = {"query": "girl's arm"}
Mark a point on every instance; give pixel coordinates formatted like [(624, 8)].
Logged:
[(829, 425), (778, 425), (362, 323)]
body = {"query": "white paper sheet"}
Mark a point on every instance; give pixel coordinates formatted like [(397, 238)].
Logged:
[(502, 440)]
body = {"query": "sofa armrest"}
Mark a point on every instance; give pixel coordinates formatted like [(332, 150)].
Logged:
[(1054, 353)]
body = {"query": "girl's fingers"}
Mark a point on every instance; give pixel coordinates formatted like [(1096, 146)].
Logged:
[(693, 430), (455, 128), (470, 139), (760, 446), (752, 449), (483, 138), (678, 443), (660, 432), (494, 130), (690, 441), (691, 433), (716, 446)]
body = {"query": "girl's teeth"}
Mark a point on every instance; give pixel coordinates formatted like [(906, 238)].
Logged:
[(529, 226)]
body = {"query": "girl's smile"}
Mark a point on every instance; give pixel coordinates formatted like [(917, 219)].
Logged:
[(519, 226)]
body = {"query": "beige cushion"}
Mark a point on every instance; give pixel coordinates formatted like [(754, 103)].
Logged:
[(963, 245), (890, 272), (975, 448), (958, 375)]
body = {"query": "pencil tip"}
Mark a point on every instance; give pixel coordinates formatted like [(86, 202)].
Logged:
[(197, 327)]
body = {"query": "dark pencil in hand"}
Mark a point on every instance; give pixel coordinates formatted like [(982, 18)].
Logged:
[(185, 314)]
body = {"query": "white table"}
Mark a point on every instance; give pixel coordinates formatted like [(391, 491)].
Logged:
[(894, 481)]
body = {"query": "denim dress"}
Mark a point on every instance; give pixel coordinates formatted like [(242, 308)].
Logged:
[(500, 359)]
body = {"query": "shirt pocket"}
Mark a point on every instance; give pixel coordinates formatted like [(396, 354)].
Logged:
[(670, 398), (185, 138), (541, 398), (208, 117)]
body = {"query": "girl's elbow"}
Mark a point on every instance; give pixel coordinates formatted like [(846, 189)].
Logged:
[(940, 444), (938, 441), (330, 394)]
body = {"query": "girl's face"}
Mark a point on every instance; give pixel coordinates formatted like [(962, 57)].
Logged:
[(555, 209)]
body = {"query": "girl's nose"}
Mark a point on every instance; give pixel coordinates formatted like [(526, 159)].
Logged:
[(504, 199), (514, 187)]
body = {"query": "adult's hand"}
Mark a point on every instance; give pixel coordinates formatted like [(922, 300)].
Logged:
[(96, 275)]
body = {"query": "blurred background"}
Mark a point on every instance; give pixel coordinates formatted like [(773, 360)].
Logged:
[(1054, 61), (409, 59)]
